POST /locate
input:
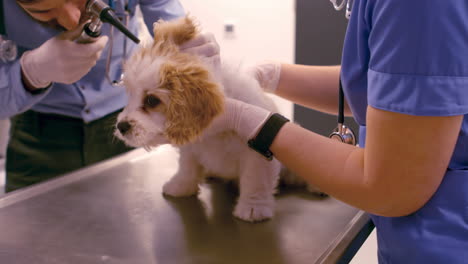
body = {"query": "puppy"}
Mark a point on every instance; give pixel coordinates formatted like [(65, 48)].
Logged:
[(173, 97)]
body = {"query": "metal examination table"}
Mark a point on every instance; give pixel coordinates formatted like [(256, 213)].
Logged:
[(114, 212)]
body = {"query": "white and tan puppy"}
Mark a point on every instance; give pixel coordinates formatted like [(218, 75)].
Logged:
[(173, 98)]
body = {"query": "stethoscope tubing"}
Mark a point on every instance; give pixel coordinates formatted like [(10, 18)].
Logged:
[(126, 14)]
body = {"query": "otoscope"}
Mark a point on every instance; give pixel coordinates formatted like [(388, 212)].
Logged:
[(99, 13)]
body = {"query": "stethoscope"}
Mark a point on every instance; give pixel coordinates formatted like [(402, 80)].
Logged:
[(342, 133), (125, 18), (99, 12), (8, 48), (338, 7)]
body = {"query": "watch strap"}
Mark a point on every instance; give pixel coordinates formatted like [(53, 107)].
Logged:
[(262, 142)]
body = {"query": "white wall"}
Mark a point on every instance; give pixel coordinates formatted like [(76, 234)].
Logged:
[(263, 30)]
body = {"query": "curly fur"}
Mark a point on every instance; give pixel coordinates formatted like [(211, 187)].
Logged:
[(173, 97), (191, 110)]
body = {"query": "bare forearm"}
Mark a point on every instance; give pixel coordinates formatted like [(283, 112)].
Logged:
[(336, 168), (341, 171), (315, 87), (395, 175)]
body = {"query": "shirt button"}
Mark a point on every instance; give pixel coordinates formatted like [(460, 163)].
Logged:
[(82, 87), (87, 111)]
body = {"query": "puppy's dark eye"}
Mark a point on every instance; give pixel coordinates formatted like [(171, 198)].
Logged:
[(151, 101)]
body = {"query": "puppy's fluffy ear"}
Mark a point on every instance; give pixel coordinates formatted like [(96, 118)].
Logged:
[(179, 31), (194, 101)]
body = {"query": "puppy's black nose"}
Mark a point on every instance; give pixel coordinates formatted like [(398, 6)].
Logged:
[(123, 127)]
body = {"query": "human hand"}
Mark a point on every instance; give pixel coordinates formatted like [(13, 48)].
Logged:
[(267, 74), (206, 48), (61, 60), (243, 118)]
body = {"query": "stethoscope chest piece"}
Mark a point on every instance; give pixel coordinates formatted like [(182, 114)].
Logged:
[(343, 134), (8, 50)]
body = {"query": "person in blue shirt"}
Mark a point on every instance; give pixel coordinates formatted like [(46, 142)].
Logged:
[(405, 79), (62, 106)]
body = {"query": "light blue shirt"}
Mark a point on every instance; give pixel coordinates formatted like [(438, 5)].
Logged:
[(93, 96)]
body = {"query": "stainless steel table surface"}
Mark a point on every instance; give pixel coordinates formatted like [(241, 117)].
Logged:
[(114, 212)]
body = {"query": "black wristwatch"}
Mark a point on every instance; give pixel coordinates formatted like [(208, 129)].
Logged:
[(262, 142)]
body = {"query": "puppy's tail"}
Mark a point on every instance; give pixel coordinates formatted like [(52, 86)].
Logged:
[(289, 178)]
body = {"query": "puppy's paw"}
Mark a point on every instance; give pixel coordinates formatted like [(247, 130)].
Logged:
[(179, 189), (253, 212)]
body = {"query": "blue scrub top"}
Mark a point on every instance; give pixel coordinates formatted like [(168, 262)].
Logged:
[(411, 57), (93, 96)]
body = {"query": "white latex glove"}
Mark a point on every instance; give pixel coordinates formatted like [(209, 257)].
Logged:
[(243, 118), (61, 60), (206, 47), (267, 74)]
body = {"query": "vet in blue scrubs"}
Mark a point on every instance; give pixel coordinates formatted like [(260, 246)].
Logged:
[(411, 57)]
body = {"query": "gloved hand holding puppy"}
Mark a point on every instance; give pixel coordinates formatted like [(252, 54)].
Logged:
[(244, 118)]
